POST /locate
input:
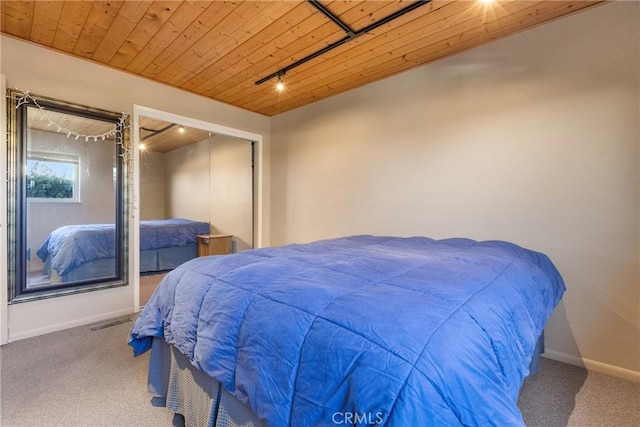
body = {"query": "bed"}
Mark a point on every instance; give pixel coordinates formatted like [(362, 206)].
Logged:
[(83, 252), (359, 330)]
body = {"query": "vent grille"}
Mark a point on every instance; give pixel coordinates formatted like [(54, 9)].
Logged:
[(111, 323)]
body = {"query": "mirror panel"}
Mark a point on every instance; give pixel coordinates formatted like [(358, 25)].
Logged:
[(66, 197), (196, 174)]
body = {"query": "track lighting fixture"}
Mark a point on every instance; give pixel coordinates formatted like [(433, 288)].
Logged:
[(350, 35), (280, 82)]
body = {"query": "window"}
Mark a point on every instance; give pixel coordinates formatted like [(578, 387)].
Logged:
[(53, 178)]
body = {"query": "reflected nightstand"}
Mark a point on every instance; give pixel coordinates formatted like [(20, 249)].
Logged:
[(214, 244)]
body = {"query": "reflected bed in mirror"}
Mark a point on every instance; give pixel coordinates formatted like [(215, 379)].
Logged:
[(66, 197), (188, 168), (74, 253)]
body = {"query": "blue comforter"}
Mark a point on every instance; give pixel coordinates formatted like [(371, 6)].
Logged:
[(74, 245), (377, 330)]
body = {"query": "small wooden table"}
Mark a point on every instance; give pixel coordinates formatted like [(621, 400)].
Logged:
[(214, 244)]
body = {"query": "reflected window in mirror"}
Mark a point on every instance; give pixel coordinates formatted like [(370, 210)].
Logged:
[(66, 198), (52, 177)]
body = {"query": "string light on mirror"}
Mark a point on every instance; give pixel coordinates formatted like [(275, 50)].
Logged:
[(181, 129), (117, 131)]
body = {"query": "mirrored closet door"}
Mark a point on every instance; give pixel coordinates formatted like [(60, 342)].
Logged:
[(192, 174)]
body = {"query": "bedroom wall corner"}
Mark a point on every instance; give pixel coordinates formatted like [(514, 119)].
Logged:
[(231, 187), (592, 365), (534, 138)]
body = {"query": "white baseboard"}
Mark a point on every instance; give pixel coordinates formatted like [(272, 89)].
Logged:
[(66, 325), (592, 365)]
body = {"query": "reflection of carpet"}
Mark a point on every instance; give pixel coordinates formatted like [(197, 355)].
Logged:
[(148, 284), (35, 281), (37, 278)]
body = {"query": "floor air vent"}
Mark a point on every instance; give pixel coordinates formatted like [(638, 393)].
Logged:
[(111, 323)]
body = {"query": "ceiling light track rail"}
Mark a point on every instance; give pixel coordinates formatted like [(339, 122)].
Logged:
[(332, 17), (350, 34), (156, 132)]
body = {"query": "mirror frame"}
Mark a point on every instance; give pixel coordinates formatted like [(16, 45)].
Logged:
[(18, 103)]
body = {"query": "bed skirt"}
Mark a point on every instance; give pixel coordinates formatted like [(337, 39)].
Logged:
[(188, 392), (185, 390), (151, 261)]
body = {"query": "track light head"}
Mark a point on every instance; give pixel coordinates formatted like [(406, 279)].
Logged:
[(280, 82)]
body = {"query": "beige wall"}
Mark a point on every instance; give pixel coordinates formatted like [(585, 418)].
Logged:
[(48, 73), (187, 182), (152, 185), (231, 183), (211, 181), (532, 139)]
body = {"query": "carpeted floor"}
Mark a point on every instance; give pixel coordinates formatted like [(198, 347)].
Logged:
[(567, 395), (85, 378), (76, 378)]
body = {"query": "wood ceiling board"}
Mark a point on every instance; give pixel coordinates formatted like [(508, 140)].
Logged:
[(70, 24), (17, 18), (147, 27), (242, 51), (46, 16), (123, 24), (184, 66), (220, 49), (95, 27), (216, 12), (188, 16), (225, 48)]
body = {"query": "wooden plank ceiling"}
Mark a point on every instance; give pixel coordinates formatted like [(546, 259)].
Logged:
[(219, 49)]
